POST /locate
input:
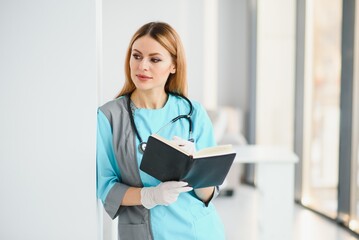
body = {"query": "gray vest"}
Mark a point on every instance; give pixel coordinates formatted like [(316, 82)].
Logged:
[(133, 221)]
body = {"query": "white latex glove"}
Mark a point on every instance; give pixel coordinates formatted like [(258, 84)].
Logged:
[(187, 146), (163, 194)]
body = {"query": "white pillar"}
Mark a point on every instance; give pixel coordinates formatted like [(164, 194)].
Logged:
[(275, 72), (276, 28), (48, 99), (210, 51)]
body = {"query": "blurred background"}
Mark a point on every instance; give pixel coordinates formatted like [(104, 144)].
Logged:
[(279, 79)]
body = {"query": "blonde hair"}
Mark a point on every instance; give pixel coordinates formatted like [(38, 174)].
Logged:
[(165, 35)]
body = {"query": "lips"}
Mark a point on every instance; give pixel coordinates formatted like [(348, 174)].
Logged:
[(143, 77)]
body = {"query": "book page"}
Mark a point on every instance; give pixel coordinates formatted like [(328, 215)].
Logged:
[(206, 152), (214, 151), (170, 143)]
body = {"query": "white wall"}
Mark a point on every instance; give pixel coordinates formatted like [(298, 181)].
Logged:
[(275, 72), (48, 101)]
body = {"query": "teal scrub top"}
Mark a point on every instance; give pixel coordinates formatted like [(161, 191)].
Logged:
[(188, 218)]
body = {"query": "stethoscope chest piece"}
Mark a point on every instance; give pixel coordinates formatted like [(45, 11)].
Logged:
[(142, 147)]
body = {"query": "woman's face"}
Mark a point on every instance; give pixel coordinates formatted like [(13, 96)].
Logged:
[(150, 64)]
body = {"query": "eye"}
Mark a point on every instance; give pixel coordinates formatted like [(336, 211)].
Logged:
[(155, 60), (136, 56)]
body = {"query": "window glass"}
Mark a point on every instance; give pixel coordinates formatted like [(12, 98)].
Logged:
[(322, 105)]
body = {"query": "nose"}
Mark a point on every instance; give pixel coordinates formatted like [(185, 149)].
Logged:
[(144, 65)]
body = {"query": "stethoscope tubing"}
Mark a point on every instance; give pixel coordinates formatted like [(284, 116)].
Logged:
[(187, 116)]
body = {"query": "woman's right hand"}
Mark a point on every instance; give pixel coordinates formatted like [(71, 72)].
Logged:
[(165, 193)]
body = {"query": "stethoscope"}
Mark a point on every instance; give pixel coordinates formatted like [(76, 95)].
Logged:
[(142, 145)]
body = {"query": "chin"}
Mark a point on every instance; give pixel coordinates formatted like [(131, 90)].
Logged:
[(143, 88)]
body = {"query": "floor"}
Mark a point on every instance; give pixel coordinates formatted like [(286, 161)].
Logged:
[(239, 216)]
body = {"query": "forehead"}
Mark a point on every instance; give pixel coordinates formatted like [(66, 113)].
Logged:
[(148, 45)]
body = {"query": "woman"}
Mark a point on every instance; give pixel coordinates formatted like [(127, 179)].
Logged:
[(153, 94)]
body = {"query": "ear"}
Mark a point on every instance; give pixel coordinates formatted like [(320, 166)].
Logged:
[(173, 69)]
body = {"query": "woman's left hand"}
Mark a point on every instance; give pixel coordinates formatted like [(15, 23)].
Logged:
[(187, 146), (205, 194)]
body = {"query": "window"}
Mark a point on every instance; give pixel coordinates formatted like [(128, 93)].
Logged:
[(322, 105)]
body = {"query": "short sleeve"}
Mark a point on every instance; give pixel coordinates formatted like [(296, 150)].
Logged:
[(109, 187), (107, 170)]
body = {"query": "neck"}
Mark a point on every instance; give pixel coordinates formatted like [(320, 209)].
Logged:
[(149, 100)]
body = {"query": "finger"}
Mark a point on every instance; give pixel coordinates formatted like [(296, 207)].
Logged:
[(179, 140), (176, 192), (184, 189), (170, 200), (181, 189), (176, 184), (187, 148)]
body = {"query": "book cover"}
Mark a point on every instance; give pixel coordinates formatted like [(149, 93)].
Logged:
[(165, 161)]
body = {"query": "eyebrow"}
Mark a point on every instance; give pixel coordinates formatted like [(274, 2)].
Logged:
[(151, 54)]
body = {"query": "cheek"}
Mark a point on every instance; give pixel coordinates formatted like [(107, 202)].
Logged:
[(132, 64), (164, 71), (133, 67)]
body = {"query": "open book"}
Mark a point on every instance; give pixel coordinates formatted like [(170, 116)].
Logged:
[(166, 161)]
